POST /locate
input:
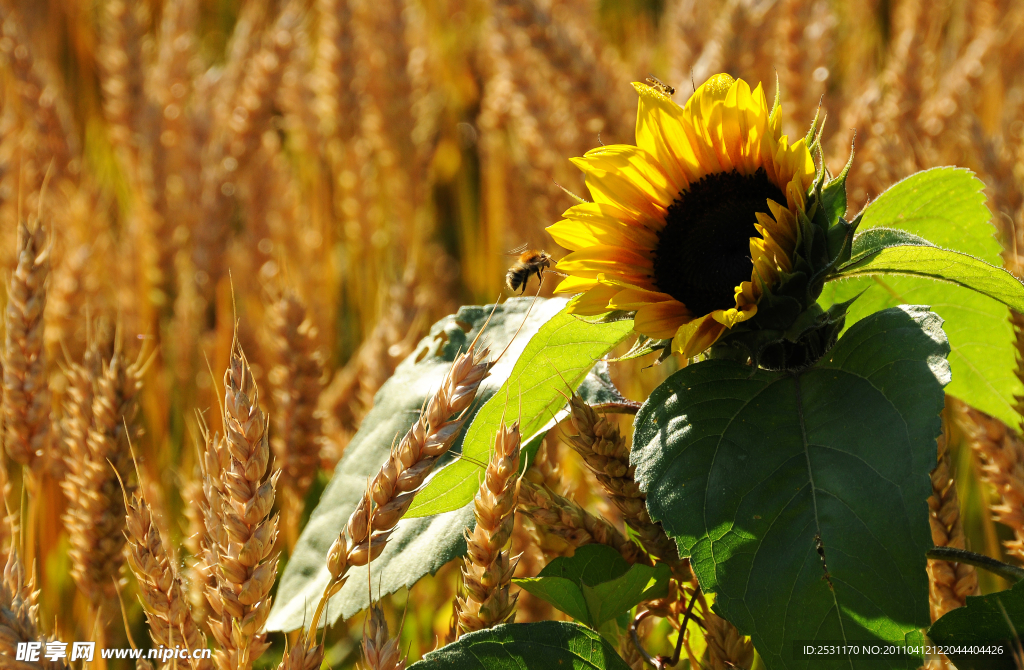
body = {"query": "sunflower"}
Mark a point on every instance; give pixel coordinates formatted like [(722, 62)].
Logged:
[(694, 224)]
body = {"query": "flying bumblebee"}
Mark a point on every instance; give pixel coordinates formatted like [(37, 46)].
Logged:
[(529, 262)]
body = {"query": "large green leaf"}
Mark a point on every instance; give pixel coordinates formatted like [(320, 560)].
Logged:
[(419, 546), (748, 469), (994, 621), (947, 207), (595, 584), (557, 358), (547, 645), (882, 251)]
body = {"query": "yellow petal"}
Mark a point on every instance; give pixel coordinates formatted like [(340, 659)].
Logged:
[(627, 177), (730, 317), (601, 255), (594, 301), (782, 227), (713, 90), (696, 336), (575, 284), (721, 132), (659, 132), (753, 120), (635, 298), (660, 320), (748, 293), (617, 263), (590, 224)]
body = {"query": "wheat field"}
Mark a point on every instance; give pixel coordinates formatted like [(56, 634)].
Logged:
[(199, 198)]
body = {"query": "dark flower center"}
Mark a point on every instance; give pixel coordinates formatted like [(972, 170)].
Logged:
[(703, 251)]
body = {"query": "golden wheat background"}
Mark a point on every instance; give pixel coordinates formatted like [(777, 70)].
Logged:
[(333, 176)]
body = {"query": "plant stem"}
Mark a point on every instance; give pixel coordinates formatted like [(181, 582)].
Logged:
[(1004, 570)]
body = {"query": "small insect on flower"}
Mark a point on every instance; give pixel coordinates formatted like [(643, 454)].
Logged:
[(661, 86), (529, 262)]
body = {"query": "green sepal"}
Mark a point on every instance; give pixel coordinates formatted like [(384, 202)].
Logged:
[(644, 346), (833, 195), (609, 317), (840, 243), (808, 337), (811, 138), (777, 104)]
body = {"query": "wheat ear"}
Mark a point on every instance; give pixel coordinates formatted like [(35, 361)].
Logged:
[(296, 381), (160, 586), (488, 566), (605, 452), (949, 583), (727, 648), (392, 489), (630, 654), (1001, 453), (380, 650), (564, 517), (305, 655), (121, 69), (95, 515), (19, 617), (26, 401), (240, 532)]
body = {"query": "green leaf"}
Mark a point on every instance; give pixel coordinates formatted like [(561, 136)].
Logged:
[(748, 469), (940, 203), (419, 546), (993, 620), (610, 599), (547, 645), (591, 564), (595, 585), (947, 207), (883, 251), (564, 594), (557, 358)]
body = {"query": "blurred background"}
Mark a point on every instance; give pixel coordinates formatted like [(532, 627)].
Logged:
[(338, 174)]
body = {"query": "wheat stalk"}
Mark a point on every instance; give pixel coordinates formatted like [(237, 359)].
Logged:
[(605, 451), (564, 517), (45, 107), (727, 648), (333, 69), (78, 398), (488, 566), (26, 401), (198, 576), (296, 382), (19, 617), (349, 396), (949, 583), (391, 491), (237, 138), (1001, 454), (380, 651), (160, 587), (122, 27), (303, 656), (238, 488), (95, 515)]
